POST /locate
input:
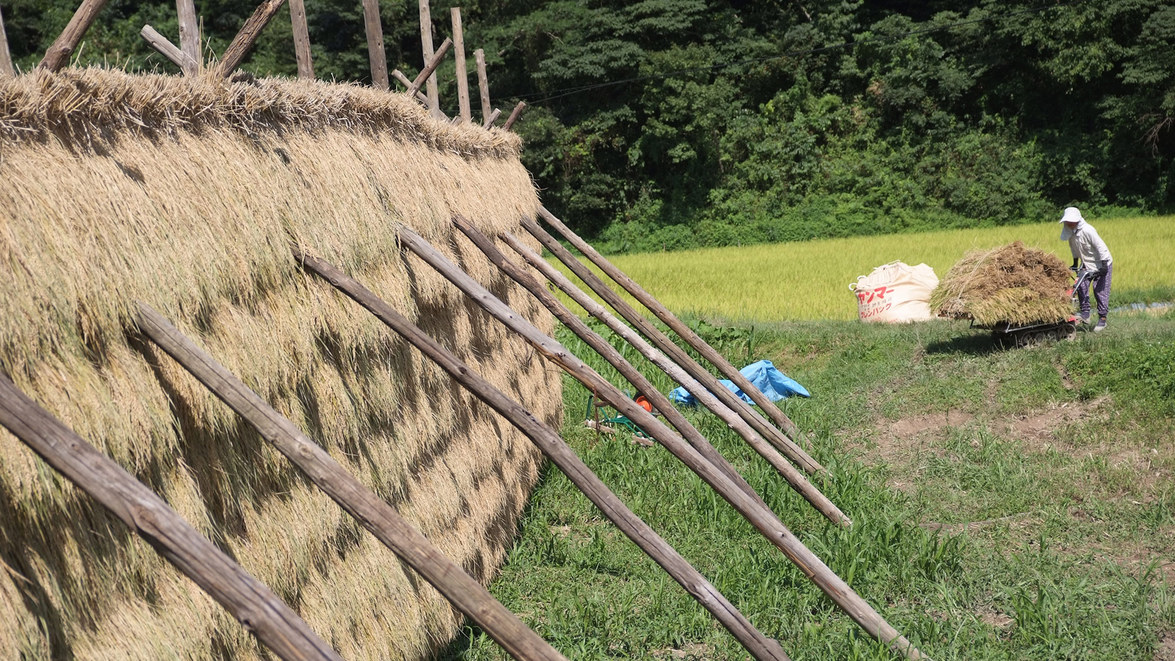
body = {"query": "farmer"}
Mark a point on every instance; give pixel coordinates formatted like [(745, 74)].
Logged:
[(1088, 248)]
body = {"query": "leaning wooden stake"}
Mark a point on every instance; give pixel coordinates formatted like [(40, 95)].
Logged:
[(762, 518), (492, 118), (483, 86), (243, 42), (58, 54), (248, 600), (360, 502), (189, 36), (419, 96), (794, 477), (302, 40), (514, 115), (678, 355), (168, 49), (760, 646), (610, 354), (432, 65), (669, 319), (462, 74), (375, 44)]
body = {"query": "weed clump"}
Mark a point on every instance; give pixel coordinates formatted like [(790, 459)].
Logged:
[(1012, 284)]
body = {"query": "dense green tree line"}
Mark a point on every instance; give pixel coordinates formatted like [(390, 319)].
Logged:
[(673, 123)]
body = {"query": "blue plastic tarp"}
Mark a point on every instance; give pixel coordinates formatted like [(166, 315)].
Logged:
[(763, 375)]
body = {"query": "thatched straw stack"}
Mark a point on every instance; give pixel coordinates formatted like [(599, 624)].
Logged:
[(186, 194), (1010, 284)]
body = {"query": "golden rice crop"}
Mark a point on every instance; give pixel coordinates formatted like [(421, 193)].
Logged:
[(809, 280)]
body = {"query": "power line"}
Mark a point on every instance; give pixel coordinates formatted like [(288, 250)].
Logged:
[(538, 98)]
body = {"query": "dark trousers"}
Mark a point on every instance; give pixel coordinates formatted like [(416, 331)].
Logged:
[(1101, 292)]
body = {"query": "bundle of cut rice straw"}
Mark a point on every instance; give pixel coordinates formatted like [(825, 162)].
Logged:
[(1011, 284)]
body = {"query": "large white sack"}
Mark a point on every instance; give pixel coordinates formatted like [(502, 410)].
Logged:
[(895, 293)]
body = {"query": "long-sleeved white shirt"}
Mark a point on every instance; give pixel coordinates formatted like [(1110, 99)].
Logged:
[(1085, 244)]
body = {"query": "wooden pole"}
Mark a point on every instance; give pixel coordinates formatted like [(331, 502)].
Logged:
[(301, 39), (419, 96), (248, 600), (434, 103), (432, 65), (795, 478), (360, 502), (6, 68), (601, 346), (189, 36), (243, 42), (375, 44), (462, 74), (762, 518), (492, 118), (514, 114), (560, 454), (483, 86), (168, 49), (679, 356), (671, 320), (58, 54)]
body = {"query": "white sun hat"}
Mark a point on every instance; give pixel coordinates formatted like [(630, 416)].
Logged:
[(1072, 215)]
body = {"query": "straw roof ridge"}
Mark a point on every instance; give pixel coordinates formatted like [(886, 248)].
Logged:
[(79, 106)]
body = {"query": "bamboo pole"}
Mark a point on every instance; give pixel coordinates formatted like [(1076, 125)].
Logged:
[(301, 39), (253, 604), (795, 478), (679, 356), (560, 454), (167, 49), (6, 68), (462, 74), (373, 513), (483, 86), (189, 36), (434, 103), (492, 118), (514, 115), (601, 346), (376, 57), (419, 96), (430, 67), (243, 42), (685, 332), (760, 517), (58, 54)]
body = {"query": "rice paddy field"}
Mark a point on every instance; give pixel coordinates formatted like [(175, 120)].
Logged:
[(809, 280)]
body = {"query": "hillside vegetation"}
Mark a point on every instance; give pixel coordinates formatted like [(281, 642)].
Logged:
[(1007, 504), (668, 124)]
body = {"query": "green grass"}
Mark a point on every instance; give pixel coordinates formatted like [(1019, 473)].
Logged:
[(1008, 504), (809, 280)]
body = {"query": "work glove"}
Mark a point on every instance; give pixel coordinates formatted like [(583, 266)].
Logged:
[(1073, 268), (1102, 269)]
